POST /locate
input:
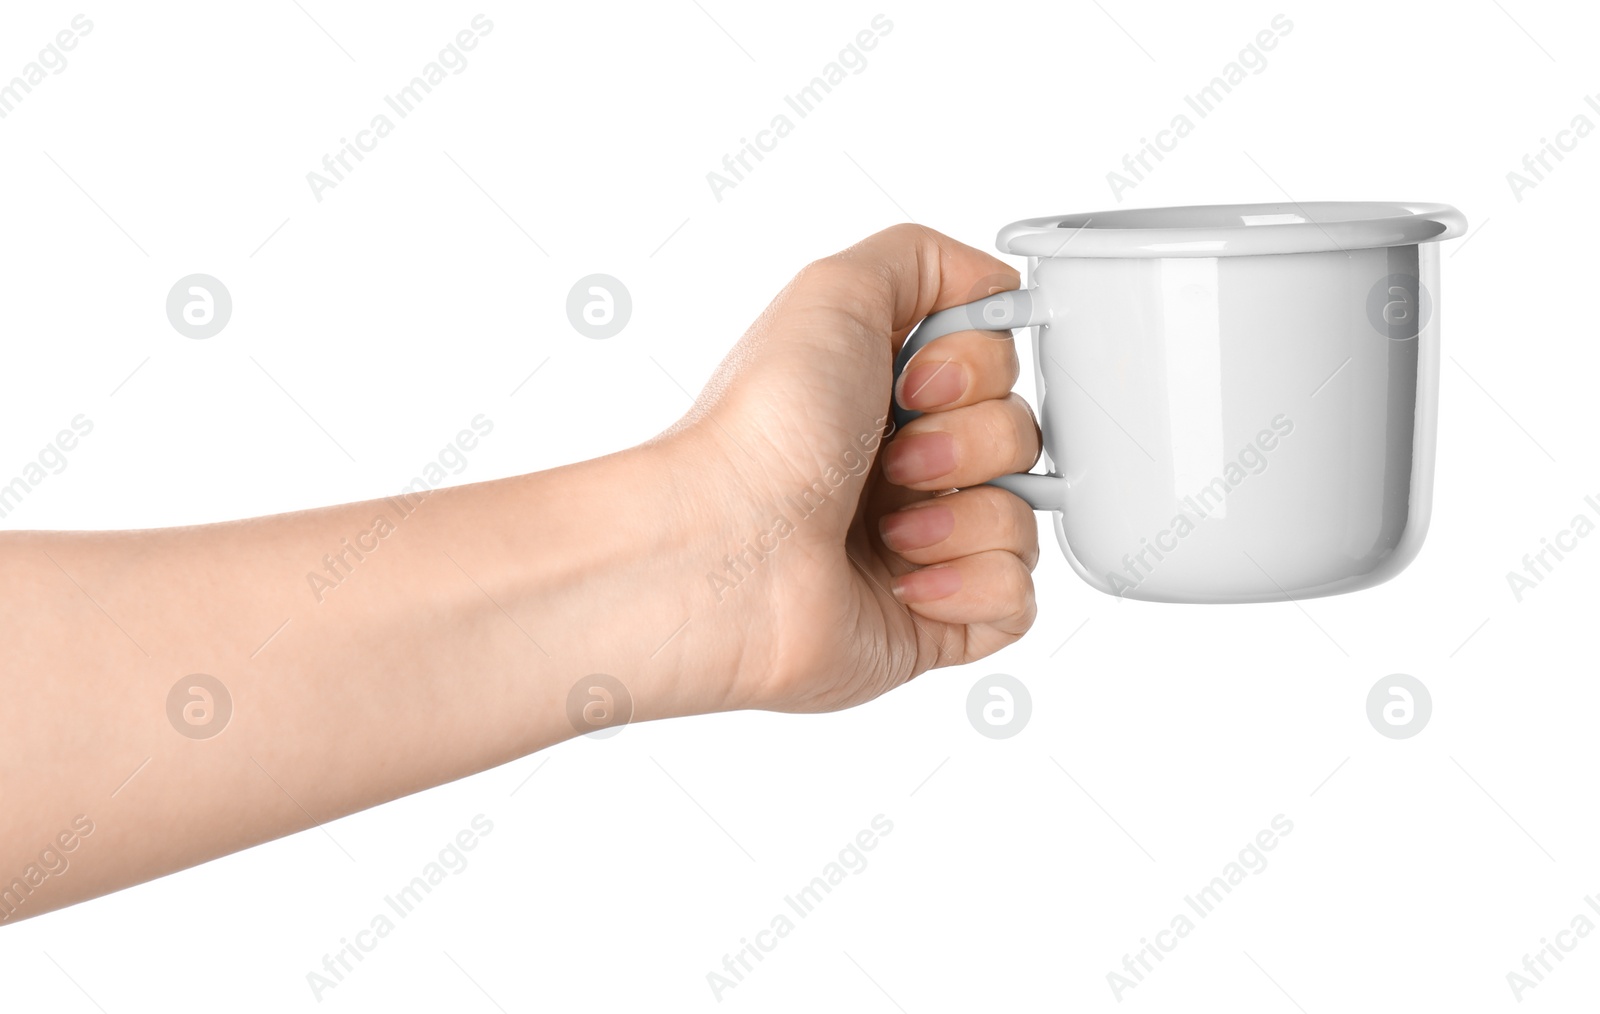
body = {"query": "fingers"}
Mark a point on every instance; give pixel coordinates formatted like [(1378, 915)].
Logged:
[(908, 271), (992, 588), (972, 521), (976, 547), (958, 370), (964, 446)]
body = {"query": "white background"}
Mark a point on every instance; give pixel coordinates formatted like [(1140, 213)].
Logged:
[(1163, 738)]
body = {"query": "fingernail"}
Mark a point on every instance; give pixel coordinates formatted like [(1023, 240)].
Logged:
[(927, 584), (931, 385), (917, 527), (919, 458)]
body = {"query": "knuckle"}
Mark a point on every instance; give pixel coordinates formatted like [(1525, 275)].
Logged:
[(1009, 366), (1001, 513), (1021, 530), (1002, 439), (1012, 432), (1025, 618), (1025, 430), (1021, 580), (992, 356), (1016, 584), (1012, 523), (997, 520), (823, 273), (909, 232), (838, 283)]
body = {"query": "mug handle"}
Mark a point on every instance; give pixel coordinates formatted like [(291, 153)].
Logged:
[(999, 312)]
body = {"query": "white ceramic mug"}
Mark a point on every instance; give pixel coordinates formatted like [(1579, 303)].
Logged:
[(1238, 402)]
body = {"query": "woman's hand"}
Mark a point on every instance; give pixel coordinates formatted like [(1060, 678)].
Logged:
[(850, 570)]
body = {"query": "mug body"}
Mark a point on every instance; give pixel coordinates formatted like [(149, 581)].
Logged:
[(1242, 427)]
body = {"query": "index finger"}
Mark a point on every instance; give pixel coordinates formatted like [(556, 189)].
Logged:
[(908, 271)]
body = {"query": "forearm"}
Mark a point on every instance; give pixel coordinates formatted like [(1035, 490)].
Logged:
[(412, 641)]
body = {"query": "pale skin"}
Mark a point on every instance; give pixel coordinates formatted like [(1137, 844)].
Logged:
[(453, 648)]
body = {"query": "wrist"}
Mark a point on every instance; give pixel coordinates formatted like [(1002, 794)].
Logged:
[(618, 563)]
